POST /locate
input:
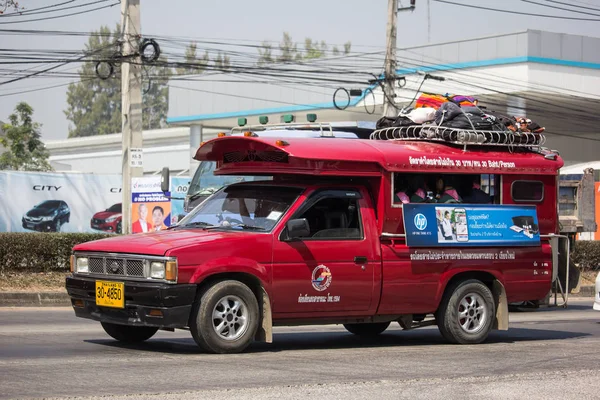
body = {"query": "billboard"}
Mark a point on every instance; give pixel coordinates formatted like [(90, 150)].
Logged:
[(435, 225), (69, 202), (150, 207)]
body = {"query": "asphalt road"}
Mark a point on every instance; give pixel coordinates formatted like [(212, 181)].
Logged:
[(47, 352)]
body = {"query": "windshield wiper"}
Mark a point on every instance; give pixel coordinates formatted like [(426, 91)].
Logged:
[(197, 224), (249, 227)]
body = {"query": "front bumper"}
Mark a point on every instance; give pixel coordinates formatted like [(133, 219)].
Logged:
[(104, 226), (173, 301), (40, 226)]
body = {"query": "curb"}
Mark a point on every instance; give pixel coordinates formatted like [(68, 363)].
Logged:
[(25, 299), (585, 291)]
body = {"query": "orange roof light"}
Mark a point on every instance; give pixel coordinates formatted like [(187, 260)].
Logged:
[(250, 134), (221, 134), (282, 143)]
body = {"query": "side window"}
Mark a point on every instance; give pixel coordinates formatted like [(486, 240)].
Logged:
[(527, 191), (334, 218)]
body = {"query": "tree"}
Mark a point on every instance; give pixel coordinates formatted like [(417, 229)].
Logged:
[(94, 104), (193, 64), (288, 51), (221, 62), (25, 150)]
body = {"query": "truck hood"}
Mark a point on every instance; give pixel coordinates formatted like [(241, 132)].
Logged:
[(158, 243), (40, 212)]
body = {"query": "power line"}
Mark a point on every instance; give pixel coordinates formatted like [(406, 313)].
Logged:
[(574, 5), (33, 12), (516, 12), (61, 16), (560, 8), (20, 13)]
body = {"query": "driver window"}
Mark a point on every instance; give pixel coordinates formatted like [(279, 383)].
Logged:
[(334, 218)]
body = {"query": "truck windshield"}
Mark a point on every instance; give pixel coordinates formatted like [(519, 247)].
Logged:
[(242, 207), (204, 183)]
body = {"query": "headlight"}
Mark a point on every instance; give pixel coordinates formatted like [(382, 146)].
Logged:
[(81, 265), (111, 219), (49, 218), (157, 270)]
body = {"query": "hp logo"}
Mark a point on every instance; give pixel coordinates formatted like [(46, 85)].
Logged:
[(420, 222)]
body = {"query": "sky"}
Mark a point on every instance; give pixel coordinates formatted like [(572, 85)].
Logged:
[(363, 22)]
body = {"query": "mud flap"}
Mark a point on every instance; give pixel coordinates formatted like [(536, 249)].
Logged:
[(501, 319), (264, 333)]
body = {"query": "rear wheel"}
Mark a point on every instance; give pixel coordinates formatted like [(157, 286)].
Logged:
[(225, 318), (129, 334), (365, 330), (466, 313)]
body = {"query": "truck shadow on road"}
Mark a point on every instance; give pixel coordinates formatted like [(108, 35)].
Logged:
[(343, 340)]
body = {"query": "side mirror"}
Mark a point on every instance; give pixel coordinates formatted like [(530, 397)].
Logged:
[(297, 228), (165, 179)]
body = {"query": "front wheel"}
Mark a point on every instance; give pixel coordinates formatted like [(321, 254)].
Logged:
[(466, 313), (225, 318), (129, 334), (371, 329)]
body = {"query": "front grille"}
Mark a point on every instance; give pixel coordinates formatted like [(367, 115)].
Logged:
[(97, 221), (116, 266)]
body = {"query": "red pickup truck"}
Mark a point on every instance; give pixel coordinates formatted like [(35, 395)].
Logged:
[(348, 232)]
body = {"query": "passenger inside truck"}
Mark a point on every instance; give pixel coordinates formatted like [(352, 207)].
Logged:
[(445, 188)]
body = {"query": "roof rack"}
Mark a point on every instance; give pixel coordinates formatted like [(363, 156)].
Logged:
[(464, 137), (326, 128)]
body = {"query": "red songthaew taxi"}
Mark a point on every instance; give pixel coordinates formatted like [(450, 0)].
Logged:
[(443, 229)]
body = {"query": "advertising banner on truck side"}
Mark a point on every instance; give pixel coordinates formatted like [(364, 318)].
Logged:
[(453, 224)]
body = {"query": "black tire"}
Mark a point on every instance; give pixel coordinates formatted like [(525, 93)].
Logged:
[(129, 334), (119, 228), (202, 323), (449, 322), (366, 330)]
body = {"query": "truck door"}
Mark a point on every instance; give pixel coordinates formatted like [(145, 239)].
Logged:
[(333, 268)]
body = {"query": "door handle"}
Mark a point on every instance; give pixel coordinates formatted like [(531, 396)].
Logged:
[(360, 260)]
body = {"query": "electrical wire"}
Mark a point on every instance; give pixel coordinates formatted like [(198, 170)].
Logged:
[(574, 5), (516, 12), (33, 12), (20, 13), (560, 8), (61, 16)]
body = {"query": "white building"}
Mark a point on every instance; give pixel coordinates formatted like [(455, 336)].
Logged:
[(553, 79)]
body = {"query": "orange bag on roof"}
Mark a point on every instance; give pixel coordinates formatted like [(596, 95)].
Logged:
[(430, 100)]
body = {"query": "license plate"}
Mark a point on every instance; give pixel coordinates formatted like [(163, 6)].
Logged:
[(29, 225), (94, 226), (110, 294)]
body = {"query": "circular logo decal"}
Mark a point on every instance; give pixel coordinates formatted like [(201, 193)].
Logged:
[(321, 278), (420, 222)]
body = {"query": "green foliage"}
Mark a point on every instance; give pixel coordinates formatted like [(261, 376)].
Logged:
[(25, 150), (586, 254), (193, 63), (94, 104), (288, 51), (40, 252)]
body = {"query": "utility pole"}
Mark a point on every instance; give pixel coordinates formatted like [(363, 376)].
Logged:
[(389, 104), (131, 104), (389, 81)]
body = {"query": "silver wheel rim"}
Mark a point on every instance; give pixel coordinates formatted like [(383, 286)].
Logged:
[(472, 313), (230, 318)]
